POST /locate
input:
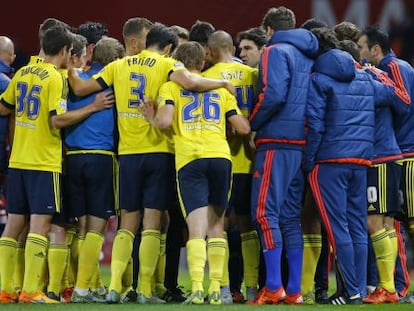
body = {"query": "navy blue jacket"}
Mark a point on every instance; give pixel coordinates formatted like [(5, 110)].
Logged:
[(403, 75), (341, 111), (279, 115), (5, 72), (386, 148)]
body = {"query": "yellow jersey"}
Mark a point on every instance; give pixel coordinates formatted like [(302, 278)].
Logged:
[(199, 124), (36, 92), (132, 78), (35, 60), (244, 79)]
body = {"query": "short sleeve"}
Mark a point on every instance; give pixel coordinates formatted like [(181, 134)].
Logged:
[(58, 95)]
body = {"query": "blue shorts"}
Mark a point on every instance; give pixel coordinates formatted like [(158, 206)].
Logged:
[(204, 182), (146, 181), (33, 192), (90, 185), (241, 194)]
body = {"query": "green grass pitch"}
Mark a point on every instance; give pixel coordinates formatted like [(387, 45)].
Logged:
[(185, 281)]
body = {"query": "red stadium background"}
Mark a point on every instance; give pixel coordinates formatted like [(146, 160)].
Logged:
[(20, 21)]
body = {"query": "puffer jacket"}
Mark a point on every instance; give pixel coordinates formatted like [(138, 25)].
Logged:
[(340, 112), (279, 115)]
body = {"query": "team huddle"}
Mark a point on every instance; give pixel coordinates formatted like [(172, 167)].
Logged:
[(183, 135)]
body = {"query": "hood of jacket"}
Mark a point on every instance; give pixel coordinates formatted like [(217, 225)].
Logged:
[(336, 64), (304, 40)]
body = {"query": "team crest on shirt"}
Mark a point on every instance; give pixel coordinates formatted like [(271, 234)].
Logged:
[(179, 65), (63, 104)]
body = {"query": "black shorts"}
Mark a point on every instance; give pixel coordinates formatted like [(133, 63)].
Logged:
[(383, 182), (33, 192), (146, 181), (90, 185), (204, 182), (241, 190), (407, 187)]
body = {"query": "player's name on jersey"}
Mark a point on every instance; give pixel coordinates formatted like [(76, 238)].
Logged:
[(232, 75), (141, 61), (42, 73)]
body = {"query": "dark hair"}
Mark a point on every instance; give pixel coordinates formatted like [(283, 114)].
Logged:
[(49, 23), (160, 36), (79, 43), (326, 38), (191, 54), (377, 36), (257, 35), (181, 32), (56, 38), (134, 26), (347, 31), (312, 23), (201, 31), (92, 31), (351, 47), (280, 18)]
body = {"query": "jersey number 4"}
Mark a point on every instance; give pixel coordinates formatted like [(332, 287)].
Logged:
[(28, 100)]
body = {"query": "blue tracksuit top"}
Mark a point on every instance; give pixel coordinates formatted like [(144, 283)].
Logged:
[(403, 75), (97, 132), (279, 115), (386, 148)]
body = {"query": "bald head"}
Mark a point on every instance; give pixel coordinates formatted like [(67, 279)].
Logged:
[(220, 40), (7, 50)]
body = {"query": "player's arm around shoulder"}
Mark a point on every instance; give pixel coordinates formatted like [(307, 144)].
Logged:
[(103, 100), (82, 87), (162, 114), (199, 84), (235, 117)]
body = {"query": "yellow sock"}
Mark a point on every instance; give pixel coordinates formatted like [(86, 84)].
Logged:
[(159, 275), (44, 276), (74, 252), (250, 246), (8, 250), (56, 258), (312, 244), (68, 279), (96, 280), (225, 279), (383, 254), (34, 256), (89, 259), (216, 252), (196, 259), (149, 251), (128, 276), (19, 267), (121, 252), (392, 234)]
